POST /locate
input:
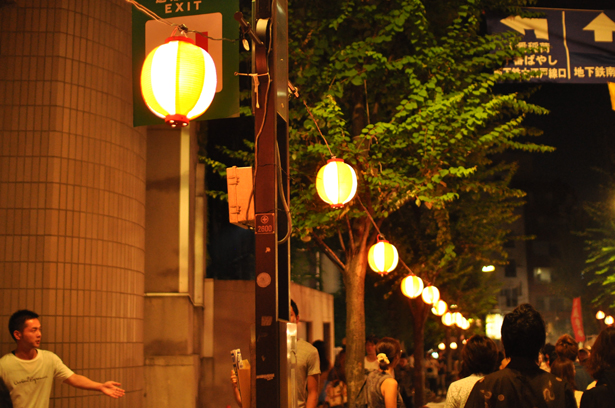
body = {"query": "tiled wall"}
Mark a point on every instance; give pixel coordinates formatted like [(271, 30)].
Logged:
[(72, 189)]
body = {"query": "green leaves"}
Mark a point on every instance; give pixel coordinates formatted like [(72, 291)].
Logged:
[(406, 97)]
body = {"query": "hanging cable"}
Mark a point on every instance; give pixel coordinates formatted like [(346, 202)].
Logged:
[(283, 197)]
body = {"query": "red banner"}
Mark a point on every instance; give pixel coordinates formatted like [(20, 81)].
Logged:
[(576, 318)]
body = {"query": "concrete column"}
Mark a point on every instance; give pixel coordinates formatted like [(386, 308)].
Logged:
[(72, 189), (174, 317)]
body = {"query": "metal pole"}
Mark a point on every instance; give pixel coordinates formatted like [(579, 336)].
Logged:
[(271, 169)]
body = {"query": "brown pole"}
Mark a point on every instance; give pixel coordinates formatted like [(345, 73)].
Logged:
[(272, 251)]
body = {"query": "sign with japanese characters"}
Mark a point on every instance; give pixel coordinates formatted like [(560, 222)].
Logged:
[(211, 25), (567, 46)]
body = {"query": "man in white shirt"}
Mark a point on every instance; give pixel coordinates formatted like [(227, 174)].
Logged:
[(308, 368), (28, 372)]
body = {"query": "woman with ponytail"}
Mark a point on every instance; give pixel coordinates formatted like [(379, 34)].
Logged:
[(381, 386)]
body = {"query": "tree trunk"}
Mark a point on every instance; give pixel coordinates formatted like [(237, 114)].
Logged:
[(420, 312), (354, 281)]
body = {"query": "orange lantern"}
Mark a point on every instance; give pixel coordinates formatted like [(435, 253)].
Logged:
[(600, 315), (431, 295), (382, 257), (465, 324), (453, 346), (178, 80), (439, 308), (447, 319), (336, 183), (609, 320), (412, 286)]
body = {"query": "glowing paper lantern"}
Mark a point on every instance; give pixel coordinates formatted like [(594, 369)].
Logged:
[(412, 286), (447, 319), (600, 315), (457, 319), (465, 324), (453, 346), (609, 320), (439, 308), (441, 346), (336, 183), (178, 81), (382, 257), (431, 295)]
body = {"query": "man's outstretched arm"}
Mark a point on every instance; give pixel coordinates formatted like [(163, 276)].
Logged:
[(109, 388)]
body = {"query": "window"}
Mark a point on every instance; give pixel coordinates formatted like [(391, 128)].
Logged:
[(542, 274), (510, 271), (511, 295)]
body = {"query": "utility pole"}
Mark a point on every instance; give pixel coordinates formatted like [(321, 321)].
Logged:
[(271, 198)]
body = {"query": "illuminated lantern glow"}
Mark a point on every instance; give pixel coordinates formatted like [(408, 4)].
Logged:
[(609, 320), (382, 257), (453, 346), (447, 319), (336, 183), (439, 308), (457, 319), (600, 315), (412, 286), (441, 346), (465, 324), (431, 295), (178, 81)]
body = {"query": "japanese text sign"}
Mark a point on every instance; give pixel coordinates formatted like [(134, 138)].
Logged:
[(569, 46)]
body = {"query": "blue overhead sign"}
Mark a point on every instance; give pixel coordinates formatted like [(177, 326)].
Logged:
[(569, 46)]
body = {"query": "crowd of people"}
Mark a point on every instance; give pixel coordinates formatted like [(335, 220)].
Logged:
[(526, 373), (529, 373)]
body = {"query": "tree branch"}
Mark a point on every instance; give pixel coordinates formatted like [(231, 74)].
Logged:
[(350, 232), (329, 252)]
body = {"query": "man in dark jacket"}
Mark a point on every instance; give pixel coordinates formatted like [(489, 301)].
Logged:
[(522, 383)]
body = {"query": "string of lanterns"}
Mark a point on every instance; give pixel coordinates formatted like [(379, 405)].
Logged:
[(336, 184), (608, 320)]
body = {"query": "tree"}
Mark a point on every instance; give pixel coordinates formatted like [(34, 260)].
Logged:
[(599, 238), (403, 94)]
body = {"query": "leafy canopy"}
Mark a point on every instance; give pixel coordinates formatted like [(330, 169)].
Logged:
[(408, 104)]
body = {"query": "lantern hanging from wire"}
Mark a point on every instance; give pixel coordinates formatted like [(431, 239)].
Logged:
[(382, 257), (412, 286), (447, 319), (178, 80), (465, 324), (336, 183), (431, 295), (439, 308)]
